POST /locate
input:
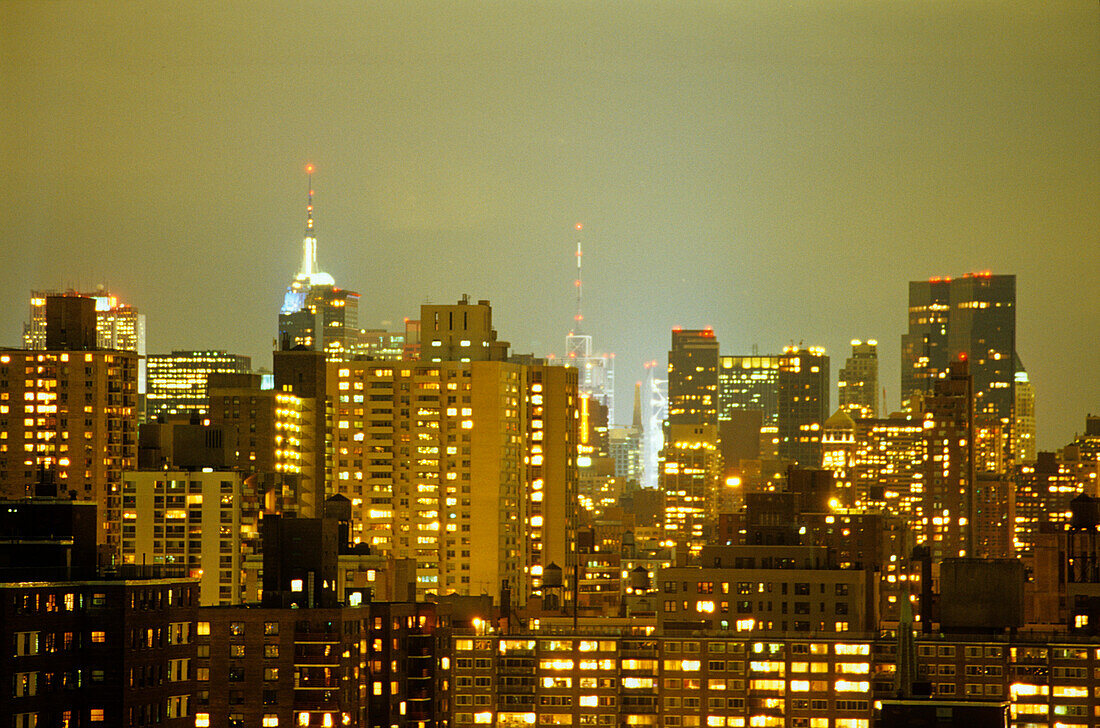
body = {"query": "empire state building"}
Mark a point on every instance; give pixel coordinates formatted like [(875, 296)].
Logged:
[(316, 314)]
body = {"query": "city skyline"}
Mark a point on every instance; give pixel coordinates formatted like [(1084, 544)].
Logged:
[(703, 156)]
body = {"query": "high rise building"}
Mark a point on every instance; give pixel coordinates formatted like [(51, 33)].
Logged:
[(177, 381), (1044, 490), (70, 409), (168, 520), (316, 314), (948, 508), (749, 383), (858, 383), (803, 403), (887, 468), (466, 465), (973, 317), (693, 378), (118, 325), (689, 481)]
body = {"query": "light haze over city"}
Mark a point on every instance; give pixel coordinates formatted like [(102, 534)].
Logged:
[(778, 171)]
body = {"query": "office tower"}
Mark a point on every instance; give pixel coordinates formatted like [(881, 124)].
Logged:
[(117, 325), (693, 378), (70, 410), (176, 383), (858, 383), (1024, 412), (803, 404), (596, 372), (317, 315), (460, 332), (749, 383), (466, 465), (974, 317), (924, 352), (689, 481), (190, 523)]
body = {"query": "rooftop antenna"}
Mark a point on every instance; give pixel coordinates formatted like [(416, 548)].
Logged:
[(309, 244)]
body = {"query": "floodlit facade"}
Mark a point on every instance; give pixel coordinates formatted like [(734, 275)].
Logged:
[(177, 382)]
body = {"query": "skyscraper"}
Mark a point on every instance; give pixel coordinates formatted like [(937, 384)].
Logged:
[(464, 460), (70, 408), (316, 314), (693, 378), (1024, 426), (858, 382), (748, 383), (689, 480), (177, 381), (973, 317), (803, 404), (118, 325), (948, 509)]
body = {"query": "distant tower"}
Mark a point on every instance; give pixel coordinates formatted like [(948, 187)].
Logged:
[(1024, 429), (656, 410), (316, 314), (693, 378), (858, 382), (972, 316), (118, 325), (596, 372)]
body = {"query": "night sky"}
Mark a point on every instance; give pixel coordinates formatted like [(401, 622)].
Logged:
[(778, 171)]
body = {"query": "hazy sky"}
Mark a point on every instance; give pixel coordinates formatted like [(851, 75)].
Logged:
[(778, 171)]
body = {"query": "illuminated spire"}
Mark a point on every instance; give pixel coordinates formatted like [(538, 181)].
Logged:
[(578, 319), (309, 244), (310, 273)]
